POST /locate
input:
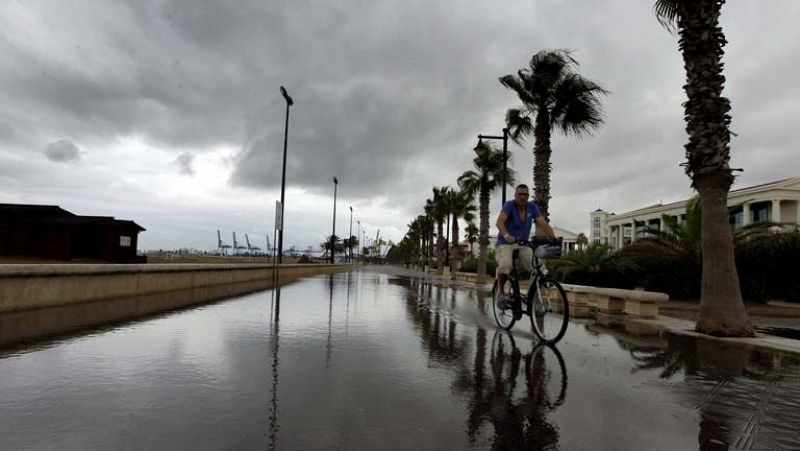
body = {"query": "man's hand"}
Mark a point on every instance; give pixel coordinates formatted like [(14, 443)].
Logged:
[(509, 239)]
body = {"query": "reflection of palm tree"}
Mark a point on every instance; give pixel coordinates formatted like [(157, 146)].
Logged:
[(725, 384)]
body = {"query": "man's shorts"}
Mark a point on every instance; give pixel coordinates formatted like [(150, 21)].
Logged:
[(504, 252)]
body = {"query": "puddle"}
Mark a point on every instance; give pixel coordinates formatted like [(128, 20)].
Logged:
[(380, 359)]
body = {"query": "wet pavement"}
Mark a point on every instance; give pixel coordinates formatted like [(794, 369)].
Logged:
[(382, 359)]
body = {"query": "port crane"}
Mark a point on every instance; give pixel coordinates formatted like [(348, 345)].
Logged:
[(221, 246)]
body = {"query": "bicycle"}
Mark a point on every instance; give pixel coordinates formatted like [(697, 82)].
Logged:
[(545, 303)]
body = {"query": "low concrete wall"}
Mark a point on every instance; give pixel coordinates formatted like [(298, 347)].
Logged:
[(33, 324), (26, 287)]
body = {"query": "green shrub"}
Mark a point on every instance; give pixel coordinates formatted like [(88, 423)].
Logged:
[(666, 264), (597, 265), (470, 264), (767, 266)]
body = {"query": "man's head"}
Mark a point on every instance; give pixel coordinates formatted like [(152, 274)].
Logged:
[(521, 194)]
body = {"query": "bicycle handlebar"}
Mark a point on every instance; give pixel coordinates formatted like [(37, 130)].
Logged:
[(536, 242), (544, 247)]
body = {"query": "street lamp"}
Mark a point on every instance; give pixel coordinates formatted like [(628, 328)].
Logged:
[(350, 236), (505, 154), (333, 234), (358, 238), (289, 102)]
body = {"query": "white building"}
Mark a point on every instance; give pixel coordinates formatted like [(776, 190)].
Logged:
[(778, 201)]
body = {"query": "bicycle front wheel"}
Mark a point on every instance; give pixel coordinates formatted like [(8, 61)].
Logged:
[(503, 308), (549, 310)]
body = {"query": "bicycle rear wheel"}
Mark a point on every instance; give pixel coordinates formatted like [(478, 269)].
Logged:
[(503, 310), (549, 310)]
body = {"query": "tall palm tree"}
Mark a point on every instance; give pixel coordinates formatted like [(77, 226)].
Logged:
[(701, 40), (438, 210), (487, 175), (553, 97), (460, 205)]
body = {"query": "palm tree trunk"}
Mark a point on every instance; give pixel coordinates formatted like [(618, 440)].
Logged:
[(440, 244), (483, 234), (722, 310), (541, 164), (455, 243)]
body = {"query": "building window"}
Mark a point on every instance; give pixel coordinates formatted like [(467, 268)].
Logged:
[(737, 218), (760, 211)]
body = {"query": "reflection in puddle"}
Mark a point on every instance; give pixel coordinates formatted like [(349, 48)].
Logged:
[(381, 359)]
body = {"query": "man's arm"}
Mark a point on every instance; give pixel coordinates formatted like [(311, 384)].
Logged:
[(540, 222), (501, 227)]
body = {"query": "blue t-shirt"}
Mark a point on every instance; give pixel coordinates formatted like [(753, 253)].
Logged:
[(518, 228)]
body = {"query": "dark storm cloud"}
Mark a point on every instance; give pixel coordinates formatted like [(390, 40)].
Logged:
[(389, 97), (185, 163), (62, 151), (6, 131)]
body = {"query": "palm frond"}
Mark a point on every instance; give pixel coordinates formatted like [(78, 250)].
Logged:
[(517, 84), (519, 124), (576, 107), (667, 12)]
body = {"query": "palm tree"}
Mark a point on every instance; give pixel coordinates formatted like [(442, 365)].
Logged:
[(581, 241), (701, 40), (349, 244), (553, 97), (460, 205), (438, 210), (472, 235), (487, 175)]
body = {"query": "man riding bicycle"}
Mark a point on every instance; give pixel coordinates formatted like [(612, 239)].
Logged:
[(514, 224)]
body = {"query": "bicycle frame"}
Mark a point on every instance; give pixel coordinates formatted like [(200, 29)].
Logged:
[(539, 271)]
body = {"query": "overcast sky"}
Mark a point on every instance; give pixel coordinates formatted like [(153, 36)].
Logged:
[(168, 112)]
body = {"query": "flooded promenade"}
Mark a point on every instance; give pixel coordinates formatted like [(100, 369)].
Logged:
[(380, 358)]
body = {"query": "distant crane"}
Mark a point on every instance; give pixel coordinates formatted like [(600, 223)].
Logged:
[(221, 247), (236, 246), (250, 248)]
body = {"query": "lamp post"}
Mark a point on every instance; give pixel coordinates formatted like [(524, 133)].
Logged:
[(505, 154), (350, 237), (358, 238), (333, 233), (289, 102)]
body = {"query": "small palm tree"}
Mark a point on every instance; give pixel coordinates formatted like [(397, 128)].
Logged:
[(553, 96), (581, 241), (487, 175), (596, 265), (472, 235), (701, 42)]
